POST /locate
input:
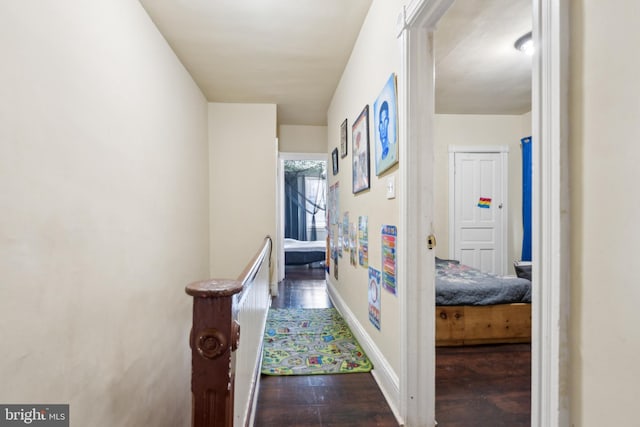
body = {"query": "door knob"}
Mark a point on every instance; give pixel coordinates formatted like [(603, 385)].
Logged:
[(431, 241)]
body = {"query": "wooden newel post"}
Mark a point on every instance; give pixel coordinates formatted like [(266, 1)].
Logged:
[(214, 335)]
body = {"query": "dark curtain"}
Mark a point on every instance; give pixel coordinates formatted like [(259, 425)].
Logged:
[(296, 206), (527, 169), (295, 221)]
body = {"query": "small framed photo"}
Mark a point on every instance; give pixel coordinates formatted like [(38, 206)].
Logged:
[(360, 151), (343, 139), (334, 160)]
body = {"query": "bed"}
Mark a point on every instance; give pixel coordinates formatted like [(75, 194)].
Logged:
[(298, 252), (473, 307)]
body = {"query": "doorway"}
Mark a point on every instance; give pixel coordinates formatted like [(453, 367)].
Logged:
[(550, 407), (485, 361), (301, 209)]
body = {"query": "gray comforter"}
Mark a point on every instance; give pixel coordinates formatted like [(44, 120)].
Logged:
[(459, 284)]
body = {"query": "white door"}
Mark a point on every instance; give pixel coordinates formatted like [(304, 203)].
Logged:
[(478, 232)]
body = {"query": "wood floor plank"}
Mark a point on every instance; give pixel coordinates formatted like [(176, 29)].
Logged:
[(476, 386), (318, 400), (483, 385)]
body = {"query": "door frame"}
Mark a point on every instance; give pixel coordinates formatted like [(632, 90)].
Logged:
[(416, 263), (550, 405), (282, 157), (503, 150)]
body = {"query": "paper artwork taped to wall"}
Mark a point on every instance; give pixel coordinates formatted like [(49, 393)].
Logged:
[(389, 235), (332, 241), (330, 205), (353, 253), (363, 241), (345, 231), (374, 297), (340, 237), (385, 115), (335, 264), (333, 202), (327, 258)]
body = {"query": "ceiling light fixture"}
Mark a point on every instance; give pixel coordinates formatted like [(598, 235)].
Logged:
[(525, 44)]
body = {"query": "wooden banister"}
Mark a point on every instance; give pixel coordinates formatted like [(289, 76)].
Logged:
[(215, 334)]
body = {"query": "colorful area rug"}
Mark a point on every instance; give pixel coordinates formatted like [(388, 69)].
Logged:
[(310, 341)]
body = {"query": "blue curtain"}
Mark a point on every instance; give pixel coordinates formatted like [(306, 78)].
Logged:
[(295, 219), (527, 168), (296, 206)]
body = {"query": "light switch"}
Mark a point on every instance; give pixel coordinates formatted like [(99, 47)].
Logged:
[(391, 187)]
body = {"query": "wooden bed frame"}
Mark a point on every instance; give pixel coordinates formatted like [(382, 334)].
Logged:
[(492, 324)]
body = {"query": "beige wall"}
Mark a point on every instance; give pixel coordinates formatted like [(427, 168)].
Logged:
[(604, 154), (480, 130), (374, 57), (103, 213), (242, 173), (302, 139)]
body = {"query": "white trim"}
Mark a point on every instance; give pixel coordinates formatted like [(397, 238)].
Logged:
[(503, 150), (452, 202), (423, 14), (504, 222), (550, 405), (282, 156), (383, 373), (416, 263), (478, 149), (278, 274)]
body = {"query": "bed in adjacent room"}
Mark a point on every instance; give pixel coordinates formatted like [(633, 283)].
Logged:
[(299, 252), (473, 307)]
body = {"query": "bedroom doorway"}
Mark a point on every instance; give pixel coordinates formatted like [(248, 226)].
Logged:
[(483, 346), (301, 209), (550, 239)]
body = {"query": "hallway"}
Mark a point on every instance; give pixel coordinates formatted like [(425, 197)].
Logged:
[(317, 400)]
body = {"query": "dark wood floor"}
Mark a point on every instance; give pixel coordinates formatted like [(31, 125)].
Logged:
[(318, 400), (483, 386), (475, 386)]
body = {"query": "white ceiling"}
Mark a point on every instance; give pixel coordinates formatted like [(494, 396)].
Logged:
[(478, 70), (292, 52), (288, 52)]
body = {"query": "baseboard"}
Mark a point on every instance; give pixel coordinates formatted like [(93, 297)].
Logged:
[(273, 289), (384, 375)]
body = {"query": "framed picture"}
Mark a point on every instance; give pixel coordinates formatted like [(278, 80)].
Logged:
[(334, 160), (360, 151), (385, 115), (343, 139)]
